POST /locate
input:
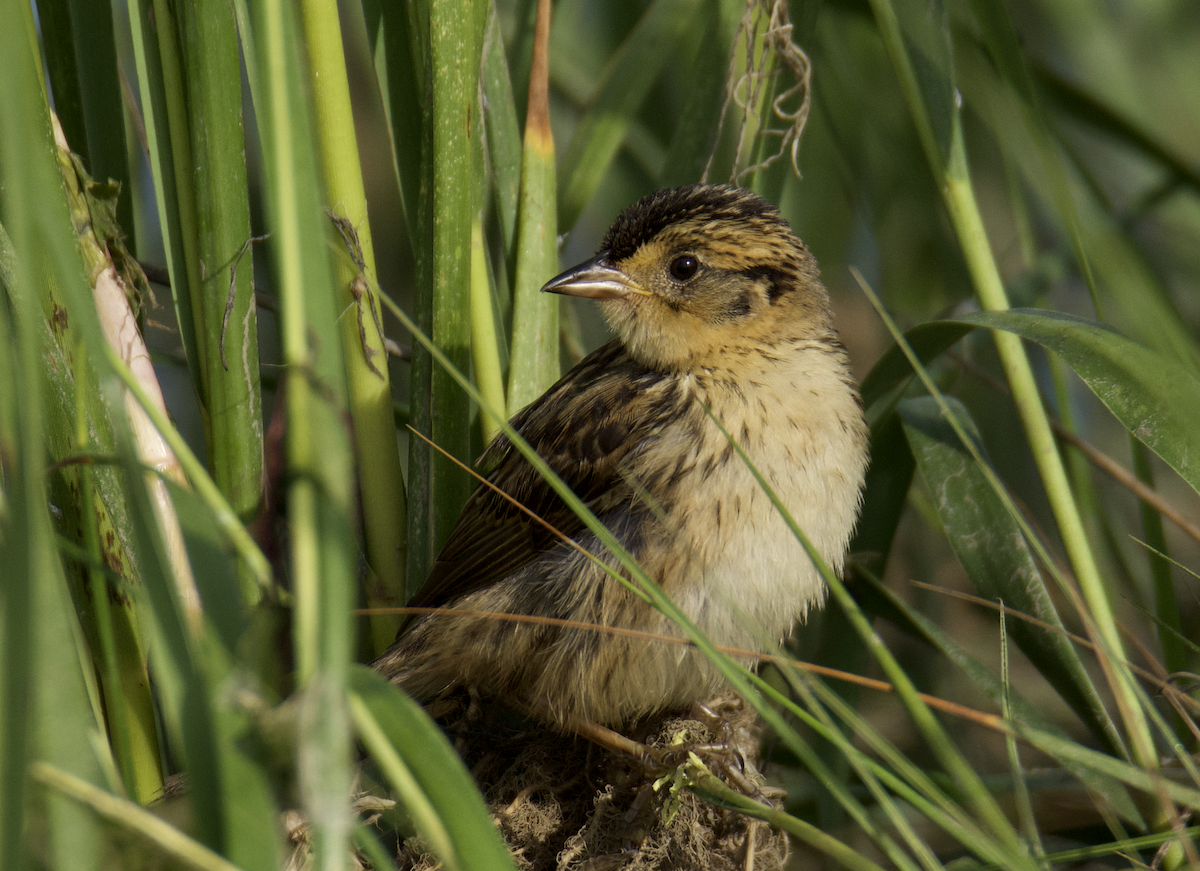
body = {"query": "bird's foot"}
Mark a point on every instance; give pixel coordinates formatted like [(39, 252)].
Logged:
[(731, 757), (722, 759)]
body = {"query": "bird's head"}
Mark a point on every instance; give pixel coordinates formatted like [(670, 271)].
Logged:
[(690, 273)]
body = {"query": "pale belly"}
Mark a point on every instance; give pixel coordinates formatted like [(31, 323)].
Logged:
[(743, 577)]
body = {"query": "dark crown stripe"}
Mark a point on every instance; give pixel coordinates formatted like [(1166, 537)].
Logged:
[(645, 219)]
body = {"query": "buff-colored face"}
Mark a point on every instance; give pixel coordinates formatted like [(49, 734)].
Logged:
[(702, 285)]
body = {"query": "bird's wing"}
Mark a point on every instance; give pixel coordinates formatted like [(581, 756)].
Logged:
[(584, 427)]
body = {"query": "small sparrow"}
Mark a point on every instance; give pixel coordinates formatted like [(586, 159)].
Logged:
[(715, 305)]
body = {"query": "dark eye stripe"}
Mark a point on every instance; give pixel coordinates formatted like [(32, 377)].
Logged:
[(738, 307), (777, 280)]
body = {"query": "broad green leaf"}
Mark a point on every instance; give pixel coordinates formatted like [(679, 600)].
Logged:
[(449, 205), (1130, 379), (1157, 400), (990, 547)]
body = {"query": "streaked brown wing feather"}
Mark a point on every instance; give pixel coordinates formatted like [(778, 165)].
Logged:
[(584, 427)]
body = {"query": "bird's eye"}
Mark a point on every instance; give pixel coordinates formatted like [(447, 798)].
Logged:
[(683, 268)]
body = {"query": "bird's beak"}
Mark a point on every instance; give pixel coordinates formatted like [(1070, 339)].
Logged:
[(595, 279)]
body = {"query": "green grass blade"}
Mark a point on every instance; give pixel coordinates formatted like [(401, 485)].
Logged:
[(903, 615), (103, 107), (401, 53), (534, 365), (160, 81), (485, 333), (503, 133), (133, 818), (451, 205), (427, 774), (319, 449), (1166, 608), (626, 80), (1149, 782), (713, 788), (62, 71), (1025, 815), (696, 134), (224, 314)]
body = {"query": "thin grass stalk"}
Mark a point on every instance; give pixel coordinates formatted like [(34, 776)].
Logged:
[(534, 366), (319, 449), (164, 105), (968, 222), (1166, 608), (1025, 816), (890, 811), (120, 657), (376, 451), (131, 817), (897, 772), (946, 154)]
